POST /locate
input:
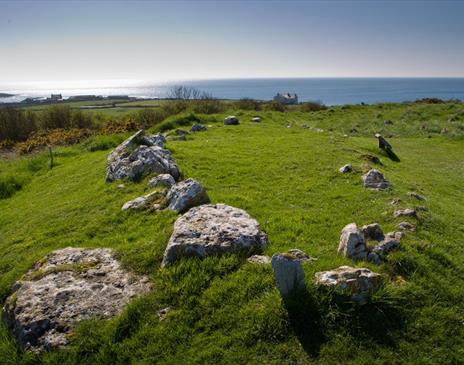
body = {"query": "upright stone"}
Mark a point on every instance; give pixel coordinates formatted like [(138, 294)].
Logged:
[(374, 179), (352, 243), (288, 272)]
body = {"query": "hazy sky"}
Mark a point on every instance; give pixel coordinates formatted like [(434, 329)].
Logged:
[(148, 41)]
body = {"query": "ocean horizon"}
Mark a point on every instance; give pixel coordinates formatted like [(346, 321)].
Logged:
[(329, 91)]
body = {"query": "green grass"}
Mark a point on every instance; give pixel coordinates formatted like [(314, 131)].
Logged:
[(227, 311)]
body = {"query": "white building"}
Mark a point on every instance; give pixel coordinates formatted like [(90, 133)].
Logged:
[(286, 99)]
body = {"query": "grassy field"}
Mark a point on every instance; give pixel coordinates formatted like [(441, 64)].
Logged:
[(284, 172)]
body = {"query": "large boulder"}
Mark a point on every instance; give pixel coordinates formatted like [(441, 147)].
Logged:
[(65, 288), (374, 179), (352, 243), (359, 282), (185, 195), (214, 230), (140, 154)]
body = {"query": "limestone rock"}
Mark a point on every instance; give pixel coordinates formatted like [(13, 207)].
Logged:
[(259, 259), (288, 272), (143, 202), (214, 230), (406, 226), (185, 195), (198, 127), (405, 213), (359, 282), (138, 155), (413, 194), (352, 243), (389, 243), (66, 287), (231, 120), (373, 232), (163, 180), (375, 180), (346, 168), (256, 119)]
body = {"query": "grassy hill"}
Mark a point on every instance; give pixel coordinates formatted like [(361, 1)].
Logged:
[(284, 173)]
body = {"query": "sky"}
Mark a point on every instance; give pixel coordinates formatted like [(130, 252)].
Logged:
[(117, 42)]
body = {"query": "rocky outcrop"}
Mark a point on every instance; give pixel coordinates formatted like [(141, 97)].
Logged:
[(138, 155), (405, 213), (214, 230), (231, 120), (346, 168), (359, 282), (198, 127), (66, 287), (185, 195), (352, 243), (374, 179), (163, 181)]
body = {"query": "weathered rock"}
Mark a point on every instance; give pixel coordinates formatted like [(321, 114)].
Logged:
[(214, 230), (288, 272), (373, 232), (359, 282), (154, 140), (231, 120), (395, 201), (144, 202), (66, 287), (346, 168), (138, 155), (389, 243), (406, 226), (256, 119), (198, 127), (405, 213), (185, 195), (352, 243), (413, 194), (259, 259), (163, 180), (375, 180), (299, 255)]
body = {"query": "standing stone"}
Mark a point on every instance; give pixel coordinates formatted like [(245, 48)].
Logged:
[(212, 230), (288, 272), (185, 195), (352, 243), (375, 180), (359, 282), (231, 120), (65, 288), (346, 168)]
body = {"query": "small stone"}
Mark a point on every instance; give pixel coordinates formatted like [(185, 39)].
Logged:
[(413, 194), (359, 282), (391, 242), (143, 202), (406, 226), (259, 259), (121, 186), (373, 231), (395, 201), (288, 272), (162, 313), (352, 243), (162, 180), (388, 122), (297, 254), (185, 195), (256, 119), (198, 127), (375, 180), (181, 132), (346, 168), (422, 208), (231, 120), (405, 213)]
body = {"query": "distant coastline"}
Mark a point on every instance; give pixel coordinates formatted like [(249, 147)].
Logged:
[(330, 91)]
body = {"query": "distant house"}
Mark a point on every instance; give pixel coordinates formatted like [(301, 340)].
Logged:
[(56, 97), (286, 99)]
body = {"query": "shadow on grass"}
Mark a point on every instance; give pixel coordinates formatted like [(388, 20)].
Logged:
[(392, 155), (314, 317)]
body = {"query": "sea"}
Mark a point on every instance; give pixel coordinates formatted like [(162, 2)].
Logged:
[(330, 91)]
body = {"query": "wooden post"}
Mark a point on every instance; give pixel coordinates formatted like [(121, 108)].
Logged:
[(51, 156)]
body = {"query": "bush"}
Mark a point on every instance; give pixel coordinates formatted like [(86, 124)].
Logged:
[(248, 104), (275, 106), (16, 125), (179, 121), (54, 137), (312, 106), (208, 106)]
